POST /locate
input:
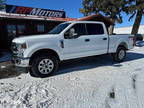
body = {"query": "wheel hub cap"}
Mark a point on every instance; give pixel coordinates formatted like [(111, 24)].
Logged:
[(45, 66), (121, 54)]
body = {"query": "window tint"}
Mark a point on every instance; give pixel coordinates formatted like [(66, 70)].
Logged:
[(11, 31), (79, 29), (40, 28), (95, 29), (21, 29)]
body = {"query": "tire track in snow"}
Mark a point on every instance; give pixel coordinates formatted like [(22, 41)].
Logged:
[(125, 96), (30, 95)]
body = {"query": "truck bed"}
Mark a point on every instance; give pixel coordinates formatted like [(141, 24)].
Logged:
[(114, 41)]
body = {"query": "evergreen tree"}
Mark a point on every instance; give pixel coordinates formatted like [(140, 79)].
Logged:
[(114, 9)]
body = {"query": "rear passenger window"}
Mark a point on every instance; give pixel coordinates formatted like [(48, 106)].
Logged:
[(95, 29)]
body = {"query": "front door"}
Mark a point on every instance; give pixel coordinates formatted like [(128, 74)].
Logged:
[(76, 46)]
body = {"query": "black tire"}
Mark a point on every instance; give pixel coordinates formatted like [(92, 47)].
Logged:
[(117, 57), (36, 62)]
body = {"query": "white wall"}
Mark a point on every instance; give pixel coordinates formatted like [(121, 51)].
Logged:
[(127, 30)]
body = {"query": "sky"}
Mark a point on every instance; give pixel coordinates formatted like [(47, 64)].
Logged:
[(71, 8)]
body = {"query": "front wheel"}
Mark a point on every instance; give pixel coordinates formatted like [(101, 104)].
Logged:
[(120, 54), (43, 65)]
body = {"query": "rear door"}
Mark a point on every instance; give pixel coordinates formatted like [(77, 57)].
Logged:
[(98, 38)]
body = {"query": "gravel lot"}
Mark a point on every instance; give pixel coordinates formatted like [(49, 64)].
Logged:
[(93, 82)]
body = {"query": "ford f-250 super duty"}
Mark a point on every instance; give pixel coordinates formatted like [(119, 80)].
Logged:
[(41, 54)]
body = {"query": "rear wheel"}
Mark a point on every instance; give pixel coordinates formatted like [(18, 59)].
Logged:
[(43, 65), (120, 54)]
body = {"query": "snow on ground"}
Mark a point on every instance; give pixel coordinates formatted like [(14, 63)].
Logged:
[(93, 82)]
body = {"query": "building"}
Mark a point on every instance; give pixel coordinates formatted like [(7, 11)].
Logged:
[(24, 21)]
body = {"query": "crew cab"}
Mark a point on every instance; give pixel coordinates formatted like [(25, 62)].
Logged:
[(41, 54)]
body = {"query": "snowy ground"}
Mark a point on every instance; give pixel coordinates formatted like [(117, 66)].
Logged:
[(94, 82)]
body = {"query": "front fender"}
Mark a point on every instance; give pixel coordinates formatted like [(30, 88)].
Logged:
[(39, 46)]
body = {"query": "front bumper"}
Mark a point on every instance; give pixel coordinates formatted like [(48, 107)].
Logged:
[(20, 62)]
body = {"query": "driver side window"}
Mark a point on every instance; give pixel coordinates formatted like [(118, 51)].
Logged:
[(76, 31)]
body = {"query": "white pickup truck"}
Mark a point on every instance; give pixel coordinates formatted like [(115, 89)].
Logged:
[(41, 54)]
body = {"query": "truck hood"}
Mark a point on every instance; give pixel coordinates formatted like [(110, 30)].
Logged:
[(34, 37)]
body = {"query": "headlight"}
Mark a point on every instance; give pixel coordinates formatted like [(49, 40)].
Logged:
[(20, 49), (22, 46)]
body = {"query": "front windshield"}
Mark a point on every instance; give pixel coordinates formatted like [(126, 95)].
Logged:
[(58, 29)]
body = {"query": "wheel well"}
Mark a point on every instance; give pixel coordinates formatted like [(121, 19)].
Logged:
[(123, 44), (44, 51)]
